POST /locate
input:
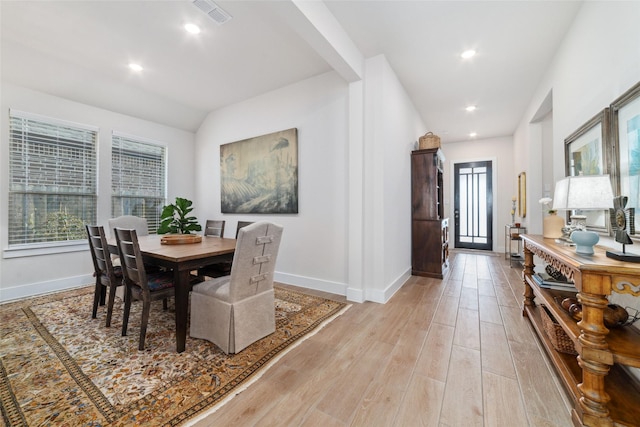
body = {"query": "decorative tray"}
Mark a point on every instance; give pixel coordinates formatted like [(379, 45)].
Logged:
[(181, 239)]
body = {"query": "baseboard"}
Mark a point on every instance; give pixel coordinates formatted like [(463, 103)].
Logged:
[(352, 294), (382, 296), (311, 283), (33, 289)]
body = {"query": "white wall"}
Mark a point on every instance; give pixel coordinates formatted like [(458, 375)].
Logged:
[(28, 275), (392, 128), (505, 180), (314, 243), (598, 60), (315, 246)]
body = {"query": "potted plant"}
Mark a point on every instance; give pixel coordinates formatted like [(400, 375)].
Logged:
[(174, 218)]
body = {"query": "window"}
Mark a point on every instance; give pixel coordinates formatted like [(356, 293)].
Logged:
[(138, 179), (52, 179)]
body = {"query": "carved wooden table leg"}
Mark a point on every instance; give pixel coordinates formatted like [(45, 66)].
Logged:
[(595, 361), (528, 271)]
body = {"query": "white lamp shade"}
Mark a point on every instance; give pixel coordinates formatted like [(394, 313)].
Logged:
[(583, 193)]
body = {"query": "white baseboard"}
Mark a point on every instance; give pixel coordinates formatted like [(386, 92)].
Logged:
[(382, 296), (33, 289), (352, 294), (311, 283)]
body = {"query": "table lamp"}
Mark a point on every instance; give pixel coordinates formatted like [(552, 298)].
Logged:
[(580, 193)]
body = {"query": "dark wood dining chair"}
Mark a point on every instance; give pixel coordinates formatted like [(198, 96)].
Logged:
[(139, 284), (214, 227), (107, 276), (242, 224)]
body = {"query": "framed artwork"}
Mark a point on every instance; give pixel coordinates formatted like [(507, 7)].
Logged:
[(586, 153), (625, 120), (260, 174), (522, 194)]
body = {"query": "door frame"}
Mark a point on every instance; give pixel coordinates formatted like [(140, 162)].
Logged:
[(452, 196)]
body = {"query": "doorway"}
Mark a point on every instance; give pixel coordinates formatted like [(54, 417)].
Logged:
[(473, 205)]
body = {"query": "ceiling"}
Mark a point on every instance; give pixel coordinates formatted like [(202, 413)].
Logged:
[(80, 50)]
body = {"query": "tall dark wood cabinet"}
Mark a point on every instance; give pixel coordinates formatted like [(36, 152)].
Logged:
[(429, 228)]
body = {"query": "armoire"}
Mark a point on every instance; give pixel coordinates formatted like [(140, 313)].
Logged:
[(429, 227)]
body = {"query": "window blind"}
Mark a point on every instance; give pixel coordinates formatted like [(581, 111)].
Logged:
[(52, 179), (138, 179)]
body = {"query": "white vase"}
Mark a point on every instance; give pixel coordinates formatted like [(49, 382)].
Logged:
[(552, 226)]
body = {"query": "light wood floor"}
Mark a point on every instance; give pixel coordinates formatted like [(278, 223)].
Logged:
[(453, 352)]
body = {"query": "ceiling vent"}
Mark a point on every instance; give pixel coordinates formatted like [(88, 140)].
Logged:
[(213, 11)]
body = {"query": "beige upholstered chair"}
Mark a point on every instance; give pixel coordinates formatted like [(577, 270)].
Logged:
[(106, 274), (139, 284), (130, 222), (214, 227), (236, 310)]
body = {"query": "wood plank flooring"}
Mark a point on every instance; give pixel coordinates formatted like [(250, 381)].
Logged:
[(453, 352)]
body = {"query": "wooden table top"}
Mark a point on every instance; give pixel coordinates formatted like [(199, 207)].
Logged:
[(210, 246)]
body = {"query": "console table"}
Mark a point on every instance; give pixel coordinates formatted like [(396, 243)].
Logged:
[(603, 393)]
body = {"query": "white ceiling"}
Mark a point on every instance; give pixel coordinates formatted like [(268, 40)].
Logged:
[(79, 50)]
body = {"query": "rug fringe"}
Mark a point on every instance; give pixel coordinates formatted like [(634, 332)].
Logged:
[(259, 374)]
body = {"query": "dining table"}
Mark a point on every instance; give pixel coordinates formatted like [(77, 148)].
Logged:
[(182, 259)]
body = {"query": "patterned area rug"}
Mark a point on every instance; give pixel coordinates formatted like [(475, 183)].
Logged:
[(60, 367)]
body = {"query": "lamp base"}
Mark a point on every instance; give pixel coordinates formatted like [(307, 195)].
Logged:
[(623, 256), (584, 241)]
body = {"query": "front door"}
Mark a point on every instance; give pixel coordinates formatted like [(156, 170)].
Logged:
[(473, 210)]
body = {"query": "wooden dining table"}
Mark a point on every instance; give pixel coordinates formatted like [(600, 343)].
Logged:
[(182, 259)]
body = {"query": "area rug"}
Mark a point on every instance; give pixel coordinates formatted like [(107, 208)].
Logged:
[(60, 367)]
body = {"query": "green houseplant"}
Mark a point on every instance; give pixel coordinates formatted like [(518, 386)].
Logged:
[(175, 219)]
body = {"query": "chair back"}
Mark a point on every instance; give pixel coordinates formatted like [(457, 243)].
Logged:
[(254, 259), (130, 222), (242, 224), (214, 228), (131, 258), (100, 251)]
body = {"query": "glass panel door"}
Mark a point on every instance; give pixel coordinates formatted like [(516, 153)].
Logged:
[(473, 210)]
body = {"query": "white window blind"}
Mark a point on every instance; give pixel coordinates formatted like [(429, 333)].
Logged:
[(138, 179), (52, 179)]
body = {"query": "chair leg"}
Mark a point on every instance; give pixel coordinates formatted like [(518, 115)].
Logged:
[(103, 295), (165, 305), (112, 297), (146, 307), (127, 308), (96, 299)]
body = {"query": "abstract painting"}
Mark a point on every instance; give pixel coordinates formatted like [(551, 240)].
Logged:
[(260, 174)]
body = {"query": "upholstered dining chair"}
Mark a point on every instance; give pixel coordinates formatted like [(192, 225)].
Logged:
[(139, 284), (130, 222), (107, 276), (214, 227), (235, 311)]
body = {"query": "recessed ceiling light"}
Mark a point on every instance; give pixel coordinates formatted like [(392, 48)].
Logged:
[(468, 54), (473, 134), (136, 67), (192, 28), (471, 108)]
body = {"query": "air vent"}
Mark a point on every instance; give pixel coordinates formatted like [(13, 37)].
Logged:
[(213, 11)]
